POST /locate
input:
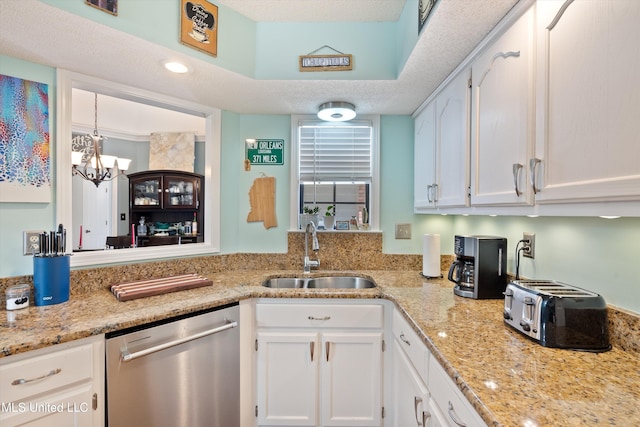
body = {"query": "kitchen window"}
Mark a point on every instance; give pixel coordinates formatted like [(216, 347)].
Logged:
[(336, 164)]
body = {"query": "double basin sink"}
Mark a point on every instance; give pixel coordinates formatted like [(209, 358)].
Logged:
[(328, 282)]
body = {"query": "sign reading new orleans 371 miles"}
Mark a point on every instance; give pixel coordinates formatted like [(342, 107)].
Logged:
[(265, 151)]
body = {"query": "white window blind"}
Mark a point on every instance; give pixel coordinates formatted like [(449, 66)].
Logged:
[(335, 152)]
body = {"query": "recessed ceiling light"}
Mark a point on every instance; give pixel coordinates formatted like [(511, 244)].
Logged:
[(176, 67)]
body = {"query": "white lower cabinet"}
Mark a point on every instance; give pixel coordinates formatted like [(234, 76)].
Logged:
[(287, 378), (61, 385), (319, 365), (411, 397), (449, 399), (423, 394)]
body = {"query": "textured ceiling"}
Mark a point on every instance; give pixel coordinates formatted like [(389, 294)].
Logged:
[(318, 10), (56, 38)]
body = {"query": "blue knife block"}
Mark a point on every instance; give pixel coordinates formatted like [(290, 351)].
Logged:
[(51, 279)]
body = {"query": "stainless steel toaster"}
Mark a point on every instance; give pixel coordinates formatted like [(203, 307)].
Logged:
[(555, 314)]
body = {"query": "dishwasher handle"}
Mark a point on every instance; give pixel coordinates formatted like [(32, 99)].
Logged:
[(125, 356)]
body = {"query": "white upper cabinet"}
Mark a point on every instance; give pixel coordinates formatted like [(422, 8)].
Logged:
[(424, 157), (441, 147), (452, 142), (503, 112), (588, 100)]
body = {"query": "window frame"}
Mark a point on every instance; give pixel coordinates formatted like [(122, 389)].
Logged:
[(294, 191)]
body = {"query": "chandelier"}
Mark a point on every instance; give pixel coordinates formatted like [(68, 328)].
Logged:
[(87, 159)]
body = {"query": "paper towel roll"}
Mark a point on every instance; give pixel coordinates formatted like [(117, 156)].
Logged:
[(431, 255)]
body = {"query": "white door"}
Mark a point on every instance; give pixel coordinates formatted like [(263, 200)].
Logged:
[(588, 127), (411, 397), (424, 173), (71, 407), (502, 118), (287, 378), (452, 146), (351, 379), (96, 214)]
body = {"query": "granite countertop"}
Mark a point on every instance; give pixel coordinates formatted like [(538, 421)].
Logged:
[(510, 380)]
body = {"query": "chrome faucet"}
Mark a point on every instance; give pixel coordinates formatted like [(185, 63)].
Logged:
[(315, 246)]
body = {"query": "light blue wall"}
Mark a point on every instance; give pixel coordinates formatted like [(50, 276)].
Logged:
[(597, 254), (159, 22), (16, 217), (373, 46), (238, 235), (407, 33), (267, 50)]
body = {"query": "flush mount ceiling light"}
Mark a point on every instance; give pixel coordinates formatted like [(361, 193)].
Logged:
[(336, 111), (176, 67)]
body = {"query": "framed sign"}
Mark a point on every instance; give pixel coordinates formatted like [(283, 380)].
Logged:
[(199, 25), (265, 151), (342, 225), (340, 62), (109, 6), (425, 7)]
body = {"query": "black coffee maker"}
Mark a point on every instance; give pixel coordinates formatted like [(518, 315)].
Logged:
[(480, 268)]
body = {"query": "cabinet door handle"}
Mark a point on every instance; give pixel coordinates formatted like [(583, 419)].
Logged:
[(559, 15), (434, 189), (403, 339), (327, 348), (416, 402), (426, 415), (312, 347), (429, 187), (50, 374), (454, 416), (517, 167), (533, 164)]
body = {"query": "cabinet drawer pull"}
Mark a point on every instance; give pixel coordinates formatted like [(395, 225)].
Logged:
[(404, 340), (416, 402), (50, 374), (319, 318), (454, 417)]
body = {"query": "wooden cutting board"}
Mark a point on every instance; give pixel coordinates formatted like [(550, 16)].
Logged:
[(147, 288), (262, 198)]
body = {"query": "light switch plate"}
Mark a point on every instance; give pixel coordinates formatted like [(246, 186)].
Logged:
[(403, 231)]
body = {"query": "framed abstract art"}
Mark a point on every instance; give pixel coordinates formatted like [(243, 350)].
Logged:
[(25, 154)]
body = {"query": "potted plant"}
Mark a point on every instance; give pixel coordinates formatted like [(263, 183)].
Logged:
[(309, 214), (330, 217)]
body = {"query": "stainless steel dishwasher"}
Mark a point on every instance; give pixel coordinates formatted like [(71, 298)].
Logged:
[(181, 373)]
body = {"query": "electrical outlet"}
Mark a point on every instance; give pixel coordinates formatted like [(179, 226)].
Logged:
[(403, 231), (31, 242), (530, 245)]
